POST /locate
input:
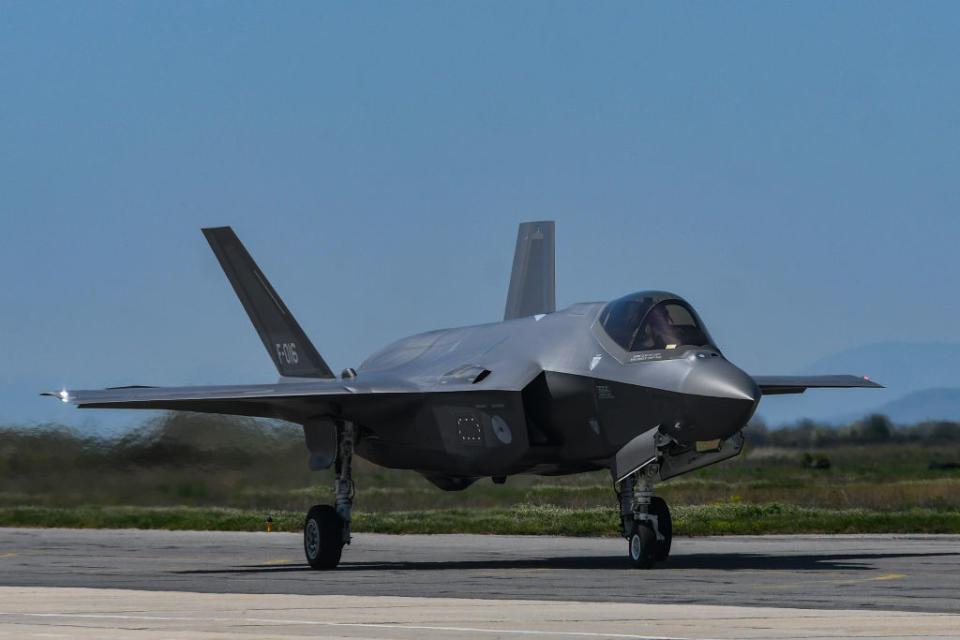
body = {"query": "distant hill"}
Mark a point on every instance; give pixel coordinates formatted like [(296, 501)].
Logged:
[(921, 379), (928, 404)]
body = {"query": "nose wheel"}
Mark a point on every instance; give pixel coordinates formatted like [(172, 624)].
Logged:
[(642, 546), (644, 520), (659, 509)]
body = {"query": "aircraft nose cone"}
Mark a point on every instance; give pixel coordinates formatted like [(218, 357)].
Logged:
[(720, 399), (716, 378)]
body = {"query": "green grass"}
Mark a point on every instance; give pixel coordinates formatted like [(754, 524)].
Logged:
[(190, 471), (691, 520), (125, 517), (771, 518)]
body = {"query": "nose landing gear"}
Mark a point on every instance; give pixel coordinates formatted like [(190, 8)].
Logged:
[(644, 519)]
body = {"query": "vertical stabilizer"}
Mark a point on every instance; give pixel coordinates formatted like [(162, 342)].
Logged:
[(288, 346), (533, 280)]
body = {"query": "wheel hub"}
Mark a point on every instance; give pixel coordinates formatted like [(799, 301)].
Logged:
[(311, 534)]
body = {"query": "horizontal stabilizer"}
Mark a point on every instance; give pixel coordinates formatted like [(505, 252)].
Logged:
[(288, 346), (777, 385), (533, 279)]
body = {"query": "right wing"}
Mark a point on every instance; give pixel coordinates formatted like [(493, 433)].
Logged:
[(777, 385), (369, 396), (293, 401)]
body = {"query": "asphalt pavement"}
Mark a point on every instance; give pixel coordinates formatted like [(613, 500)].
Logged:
[(146, 584), (894, 572)]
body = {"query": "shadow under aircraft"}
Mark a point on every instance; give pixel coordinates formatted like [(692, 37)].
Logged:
[(635, 385)]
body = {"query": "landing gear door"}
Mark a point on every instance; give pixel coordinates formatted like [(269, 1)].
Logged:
[(634, 455), (674, 465), (321, 437)]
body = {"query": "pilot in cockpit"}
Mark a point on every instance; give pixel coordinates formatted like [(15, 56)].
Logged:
[(639, 322), (657, 332)]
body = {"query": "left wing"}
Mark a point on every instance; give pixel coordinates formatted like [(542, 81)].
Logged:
[(777, 385)]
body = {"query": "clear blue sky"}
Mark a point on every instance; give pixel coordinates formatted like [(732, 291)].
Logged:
[(790, 168)]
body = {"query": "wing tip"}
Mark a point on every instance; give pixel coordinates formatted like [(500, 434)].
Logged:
[(63, 395)]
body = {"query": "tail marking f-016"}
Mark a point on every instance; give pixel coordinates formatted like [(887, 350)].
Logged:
[(288, 346)]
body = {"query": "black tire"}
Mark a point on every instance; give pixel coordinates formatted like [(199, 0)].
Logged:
[(641, 546), (323, 537), (659, 508)]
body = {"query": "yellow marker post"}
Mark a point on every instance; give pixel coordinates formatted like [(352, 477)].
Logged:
[(269, 524)]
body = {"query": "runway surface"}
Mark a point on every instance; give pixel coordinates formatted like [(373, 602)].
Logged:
[(472, 586)]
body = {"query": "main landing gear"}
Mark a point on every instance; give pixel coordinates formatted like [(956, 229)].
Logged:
[(644, 519), (327, 528)]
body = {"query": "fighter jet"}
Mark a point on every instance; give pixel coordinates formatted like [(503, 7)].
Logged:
[(635, 385)]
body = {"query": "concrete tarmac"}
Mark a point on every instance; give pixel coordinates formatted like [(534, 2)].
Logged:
[(193, 584), (44, 612)]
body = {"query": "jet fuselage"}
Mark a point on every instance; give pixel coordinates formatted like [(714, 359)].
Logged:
[(583, 399)]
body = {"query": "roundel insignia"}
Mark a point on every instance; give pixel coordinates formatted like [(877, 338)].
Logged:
[(502, 430)]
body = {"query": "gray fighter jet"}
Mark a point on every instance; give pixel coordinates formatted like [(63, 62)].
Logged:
[(636, 386)]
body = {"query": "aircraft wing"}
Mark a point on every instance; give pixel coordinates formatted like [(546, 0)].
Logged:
[(370, 395), (777, 385), (286, 400)]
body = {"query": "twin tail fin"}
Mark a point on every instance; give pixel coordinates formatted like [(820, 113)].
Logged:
[(533, 279), (288, 346)]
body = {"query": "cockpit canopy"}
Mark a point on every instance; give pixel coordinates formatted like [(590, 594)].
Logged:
[(651, 320)]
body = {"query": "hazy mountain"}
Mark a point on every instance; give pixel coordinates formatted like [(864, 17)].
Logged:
[(928, 404), (904, 368)]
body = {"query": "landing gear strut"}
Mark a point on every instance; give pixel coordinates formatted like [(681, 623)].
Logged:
[(644, 519), (327, 528)]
